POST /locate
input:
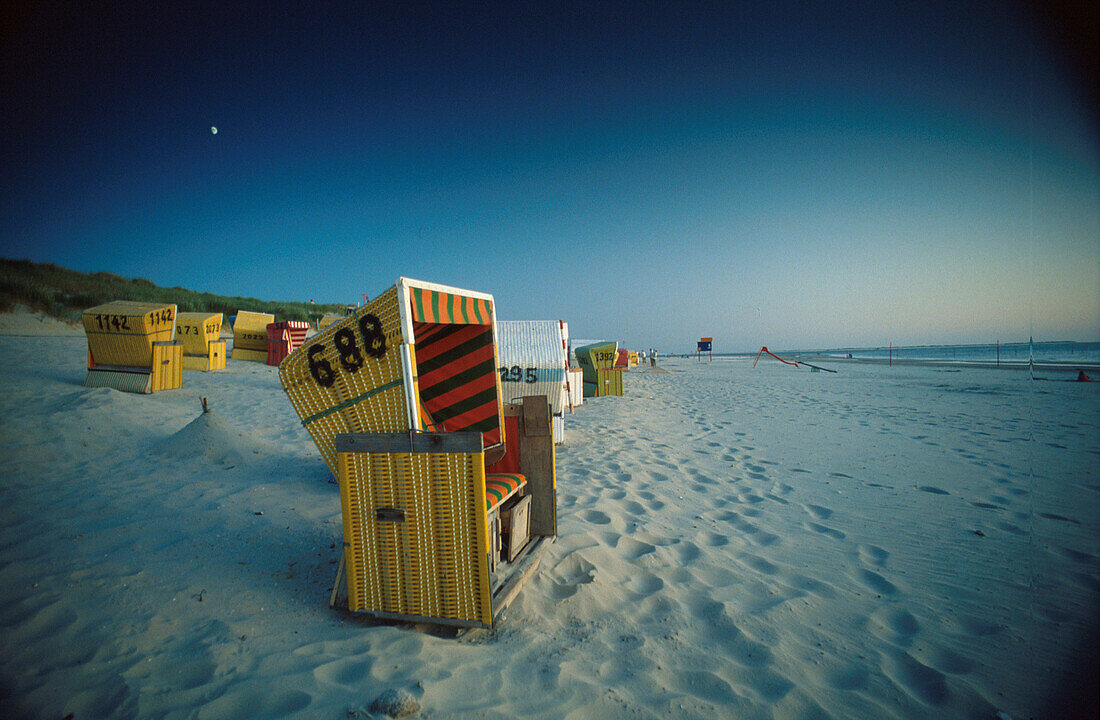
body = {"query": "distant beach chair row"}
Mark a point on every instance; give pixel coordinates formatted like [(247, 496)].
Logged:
[(143, 347)]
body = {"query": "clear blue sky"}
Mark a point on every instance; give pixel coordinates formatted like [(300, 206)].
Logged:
[(798, 175)]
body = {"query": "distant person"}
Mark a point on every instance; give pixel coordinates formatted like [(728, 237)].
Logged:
[(653, 360)]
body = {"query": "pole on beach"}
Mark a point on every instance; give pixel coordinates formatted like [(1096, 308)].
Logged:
[(891, 355)]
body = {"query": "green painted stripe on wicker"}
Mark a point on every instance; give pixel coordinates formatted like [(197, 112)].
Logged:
[(500, 486)]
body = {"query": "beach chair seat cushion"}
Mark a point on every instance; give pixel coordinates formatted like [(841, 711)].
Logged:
[(501, 486)]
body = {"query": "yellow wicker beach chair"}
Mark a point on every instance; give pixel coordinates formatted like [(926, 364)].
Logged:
[(403, 400), (131, 347), (250, 335), (200, 334), (597, 361), (328, 319)]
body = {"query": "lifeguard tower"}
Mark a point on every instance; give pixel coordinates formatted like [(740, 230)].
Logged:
[(597, 362), (131, 347), (448, 495), (703, 346), (250, 335), (200, 333)]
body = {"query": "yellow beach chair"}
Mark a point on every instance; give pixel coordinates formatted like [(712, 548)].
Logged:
[(200, 334), (328, 319), (131, 347), (448, 496), (250, 335), (597, 361)]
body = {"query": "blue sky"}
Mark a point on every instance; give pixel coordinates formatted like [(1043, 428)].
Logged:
[(822, 176)]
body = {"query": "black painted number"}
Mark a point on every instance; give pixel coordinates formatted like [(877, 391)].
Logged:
[(319, 368), (518, 374), (348, 351), (374, 339), (350, 357)]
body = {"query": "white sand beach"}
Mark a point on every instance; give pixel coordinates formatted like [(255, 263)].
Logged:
[(886, 542)]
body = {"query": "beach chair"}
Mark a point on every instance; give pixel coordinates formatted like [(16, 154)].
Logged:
[(448, 496), (597, 362), (533, 361), (131, 347), (250, 335), (200, 334), (283, 338), (328, 319)]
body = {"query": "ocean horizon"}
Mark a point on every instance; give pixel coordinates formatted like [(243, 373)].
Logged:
[(1015, 353)]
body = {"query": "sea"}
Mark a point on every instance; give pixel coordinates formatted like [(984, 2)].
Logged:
[(1017, 353), (1087, 353)]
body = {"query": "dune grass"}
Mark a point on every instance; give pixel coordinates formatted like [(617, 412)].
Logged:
[(64, 294)]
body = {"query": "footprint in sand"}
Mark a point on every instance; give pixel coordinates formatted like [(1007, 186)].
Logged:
[(759, 564), (819, 512), (808, 584), (917, 679), (596, 517), (898, 624), (827, 531), (933, 489), (687, 552), (711, 539), (349, 672), (943, 659), (705, 686), (569, 575), (1060, 518), (839, 675), (875, 582), (644, 584), (972, 627), (255, 701), (872, 555), (633, 549)]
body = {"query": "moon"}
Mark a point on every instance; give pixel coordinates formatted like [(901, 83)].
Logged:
[(213, 130)]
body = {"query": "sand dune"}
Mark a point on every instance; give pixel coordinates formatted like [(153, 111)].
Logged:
[(898, 542)]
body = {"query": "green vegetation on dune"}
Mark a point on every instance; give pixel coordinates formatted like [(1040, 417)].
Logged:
[(64, 294)]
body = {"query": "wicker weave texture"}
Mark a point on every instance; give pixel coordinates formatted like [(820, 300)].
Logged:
[(347, 379), (415, 534), (250, 335), (197, 330), (122, 333)]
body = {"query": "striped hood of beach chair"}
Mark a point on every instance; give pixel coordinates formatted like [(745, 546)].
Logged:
[(456, 363)]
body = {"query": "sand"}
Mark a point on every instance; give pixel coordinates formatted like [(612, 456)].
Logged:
[(904, 542)]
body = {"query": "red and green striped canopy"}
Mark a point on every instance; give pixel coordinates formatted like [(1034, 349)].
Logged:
[(456, 362), (434, 306)]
